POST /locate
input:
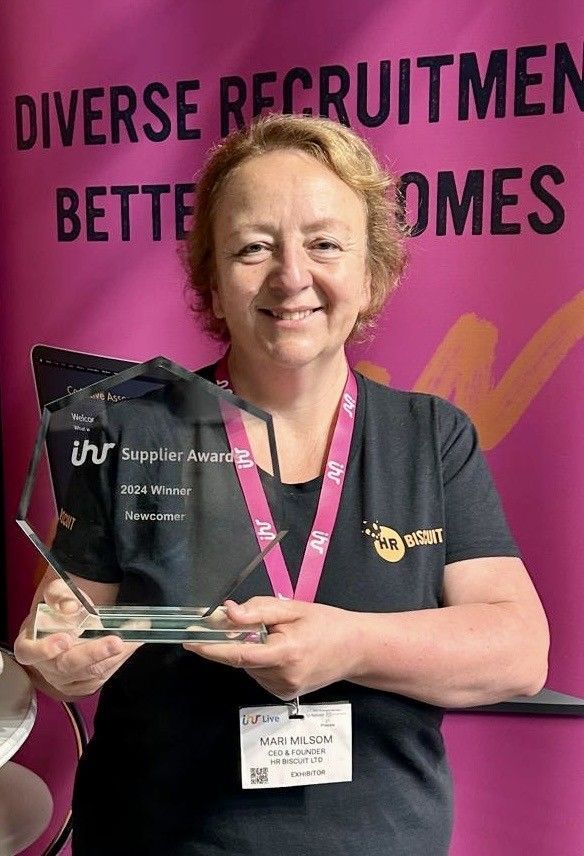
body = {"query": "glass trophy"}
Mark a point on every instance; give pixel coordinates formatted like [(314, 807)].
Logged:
[(147, 469)]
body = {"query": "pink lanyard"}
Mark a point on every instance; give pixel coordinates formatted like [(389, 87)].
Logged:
[(328, 504)]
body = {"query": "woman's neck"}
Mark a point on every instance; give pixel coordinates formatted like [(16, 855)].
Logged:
[(304, 403), (306, 394)]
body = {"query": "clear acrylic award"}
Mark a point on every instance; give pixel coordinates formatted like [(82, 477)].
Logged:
[(147, 481)]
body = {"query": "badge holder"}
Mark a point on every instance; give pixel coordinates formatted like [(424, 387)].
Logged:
[(294, 709)]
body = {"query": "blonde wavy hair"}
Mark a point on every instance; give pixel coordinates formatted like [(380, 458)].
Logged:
[(342, 151)]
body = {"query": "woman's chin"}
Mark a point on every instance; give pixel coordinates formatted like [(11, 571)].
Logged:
[(297, 356)]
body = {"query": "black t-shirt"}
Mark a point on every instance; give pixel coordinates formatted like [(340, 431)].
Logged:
[(164, 764)]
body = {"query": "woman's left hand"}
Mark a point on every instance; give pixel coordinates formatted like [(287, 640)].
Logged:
[(309, 645)]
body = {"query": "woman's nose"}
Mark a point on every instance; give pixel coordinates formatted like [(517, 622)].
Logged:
[(291, 272)]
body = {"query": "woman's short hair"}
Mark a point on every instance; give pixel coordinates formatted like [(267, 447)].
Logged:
[(333, 145)]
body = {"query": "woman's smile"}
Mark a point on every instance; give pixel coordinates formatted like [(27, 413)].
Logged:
[(290, 316)]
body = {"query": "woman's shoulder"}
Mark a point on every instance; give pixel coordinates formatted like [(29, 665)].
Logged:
[(387, 402)]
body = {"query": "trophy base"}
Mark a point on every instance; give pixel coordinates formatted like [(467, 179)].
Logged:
[(146, 624)]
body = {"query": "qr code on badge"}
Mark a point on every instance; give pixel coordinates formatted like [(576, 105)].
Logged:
[(259, 775)]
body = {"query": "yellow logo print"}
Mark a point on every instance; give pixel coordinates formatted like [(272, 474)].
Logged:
[(391, 546), (387, 542)]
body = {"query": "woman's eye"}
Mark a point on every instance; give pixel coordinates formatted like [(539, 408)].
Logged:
[(325, 245), (251, 249)]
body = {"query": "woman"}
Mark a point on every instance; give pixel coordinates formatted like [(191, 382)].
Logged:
[(409, 597)]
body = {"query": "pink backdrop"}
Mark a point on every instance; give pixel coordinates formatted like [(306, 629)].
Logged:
[(492, 321)]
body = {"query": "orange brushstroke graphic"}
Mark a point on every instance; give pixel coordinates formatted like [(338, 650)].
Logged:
[(461, 368)]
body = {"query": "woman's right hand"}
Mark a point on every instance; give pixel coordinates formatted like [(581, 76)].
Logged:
[(68, 668)]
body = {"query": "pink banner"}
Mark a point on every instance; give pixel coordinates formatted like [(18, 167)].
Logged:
[(108, 111)]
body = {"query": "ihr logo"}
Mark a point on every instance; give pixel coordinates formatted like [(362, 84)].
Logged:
[(79, 457)]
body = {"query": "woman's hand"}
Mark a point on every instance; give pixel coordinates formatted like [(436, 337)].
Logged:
[(68, 668), (308, 647)]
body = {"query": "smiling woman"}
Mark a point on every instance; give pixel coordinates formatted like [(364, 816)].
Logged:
[(398, 589), (310, 143), (290, 280)]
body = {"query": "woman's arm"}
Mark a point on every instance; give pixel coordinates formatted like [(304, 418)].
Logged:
[(489, 641), (58, 664)]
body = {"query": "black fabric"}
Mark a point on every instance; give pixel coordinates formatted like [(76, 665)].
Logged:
[(162, 773)]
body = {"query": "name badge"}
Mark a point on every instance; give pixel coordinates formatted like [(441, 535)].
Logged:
[(311, 747)]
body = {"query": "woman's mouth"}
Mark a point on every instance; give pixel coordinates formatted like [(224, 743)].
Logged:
[(290, 315)]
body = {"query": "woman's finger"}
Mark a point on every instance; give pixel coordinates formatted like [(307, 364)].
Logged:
[(32, 652), (96, 670), (59, 597), (242, 655), (264, 610)]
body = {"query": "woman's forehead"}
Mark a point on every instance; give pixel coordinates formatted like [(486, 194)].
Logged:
[(287, 181)]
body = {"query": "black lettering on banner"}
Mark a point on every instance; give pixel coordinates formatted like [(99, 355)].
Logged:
[(156, 136), (259, 99), (335, 98), (70, 220), (185, 108), (565, 67), (448, 197), (305, 78), (491, 85), (495, 77), (463, 203), (25, 108), (363, 115), (94, 213), (473, 194), (66, 123), (92, 114), (523, 79), (500, 200), (554, 205), (123, 115), (404, 91), (231, 107), (67, 207), (435, 64), (423, 202), (181, 210), (45, 120), (124, 191), (155, 191), (34, 118)]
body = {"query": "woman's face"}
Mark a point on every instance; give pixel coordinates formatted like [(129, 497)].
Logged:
[(290, 244)]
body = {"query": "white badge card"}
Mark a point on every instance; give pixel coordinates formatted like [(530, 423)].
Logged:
[(280, 751)]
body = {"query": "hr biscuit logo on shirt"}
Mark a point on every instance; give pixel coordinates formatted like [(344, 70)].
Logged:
[(391, 546)]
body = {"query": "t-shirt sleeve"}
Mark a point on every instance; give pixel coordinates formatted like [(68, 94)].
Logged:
[(84, 543), (475, 523)]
